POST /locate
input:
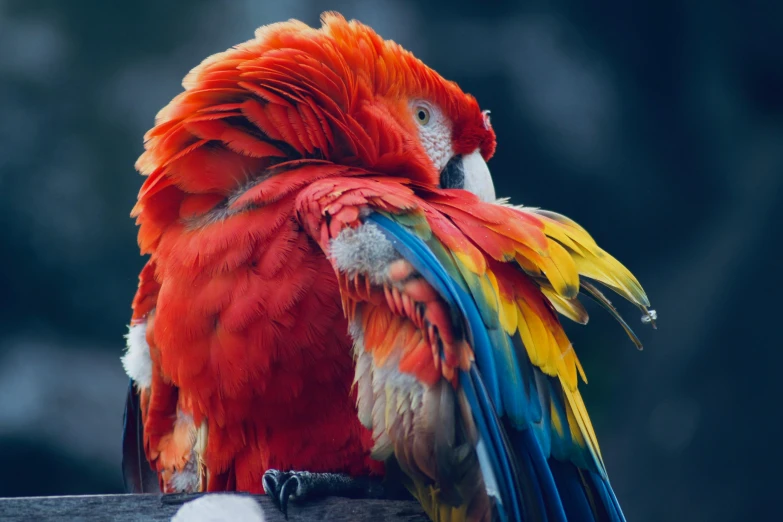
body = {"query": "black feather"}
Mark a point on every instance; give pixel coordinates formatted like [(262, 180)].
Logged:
[(137, 474)]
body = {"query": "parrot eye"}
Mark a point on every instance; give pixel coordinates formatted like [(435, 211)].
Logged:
[(434, 130), (422, 115)]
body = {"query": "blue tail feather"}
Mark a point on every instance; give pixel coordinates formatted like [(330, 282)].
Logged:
[(607, 497), (525, 455)]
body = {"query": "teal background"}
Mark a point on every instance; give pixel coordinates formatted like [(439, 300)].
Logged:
[(657, 125)]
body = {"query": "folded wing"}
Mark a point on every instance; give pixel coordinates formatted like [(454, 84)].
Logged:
[(463, 370)]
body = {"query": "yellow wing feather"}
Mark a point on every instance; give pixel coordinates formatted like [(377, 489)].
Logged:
[(571, 254)]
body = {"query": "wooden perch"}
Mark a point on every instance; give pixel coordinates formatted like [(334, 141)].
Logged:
[(150, 508)]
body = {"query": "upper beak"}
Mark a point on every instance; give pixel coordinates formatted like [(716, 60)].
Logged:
[(469, 172)]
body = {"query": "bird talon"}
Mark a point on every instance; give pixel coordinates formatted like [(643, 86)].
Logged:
[(298, 486), (273, 481), (282, 487), (289, 492)]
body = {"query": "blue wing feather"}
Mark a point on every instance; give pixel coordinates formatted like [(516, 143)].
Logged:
[(490, 432), (576, 503), (608, 498), (487, 421), (529, 450), (503, 385)]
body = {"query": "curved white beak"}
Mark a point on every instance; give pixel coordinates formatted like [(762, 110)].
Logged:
[(477, 177)]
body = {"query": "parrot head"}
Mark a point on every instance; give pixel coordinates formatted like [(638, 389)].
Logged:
[(419, 125), (340, 94)]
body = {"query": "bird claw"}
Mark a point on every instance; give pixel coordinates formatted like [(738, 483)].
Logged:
[(297, 486), (272, 481), (293, 489), (283, 486)]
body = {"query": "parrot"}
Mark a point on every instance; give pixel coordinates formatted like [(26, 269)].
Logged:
[(336, 302)]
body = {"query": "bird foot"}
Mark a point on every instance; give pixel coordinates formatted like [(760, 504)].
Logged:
[(282, 486)]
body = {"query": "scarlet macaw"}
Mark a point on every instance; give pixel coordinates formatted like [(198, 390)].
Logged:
[(315, 182)]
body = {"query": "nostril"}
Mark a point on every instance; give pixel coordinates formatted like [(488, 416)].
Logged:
[(453, 174)]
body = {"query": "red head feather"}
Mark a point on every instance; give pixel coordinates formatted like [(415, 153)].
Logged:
[(339, 93)]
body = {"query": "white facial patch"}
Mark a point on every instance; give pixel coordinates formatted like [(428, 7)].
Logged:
[(136, 361), (478, 179), (435, 135)]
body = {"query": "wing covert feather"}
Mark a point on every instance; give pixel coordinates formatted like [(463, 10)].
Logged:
[(463, 368)]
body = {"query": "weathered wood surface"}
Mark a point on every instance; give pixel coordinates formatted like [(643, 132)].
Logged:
[(150, 508)]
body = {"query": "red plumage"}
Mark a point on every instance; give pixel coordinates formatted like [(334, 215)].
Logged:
[(278, 154), (245, 329)]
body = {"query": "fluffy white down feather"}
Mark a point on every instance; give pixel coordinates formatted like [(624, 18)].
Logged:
[(363, 250), (136, 361)]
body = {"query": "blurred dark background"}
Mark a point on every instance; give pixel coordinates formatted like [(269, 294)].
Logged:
[(658, 125)]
